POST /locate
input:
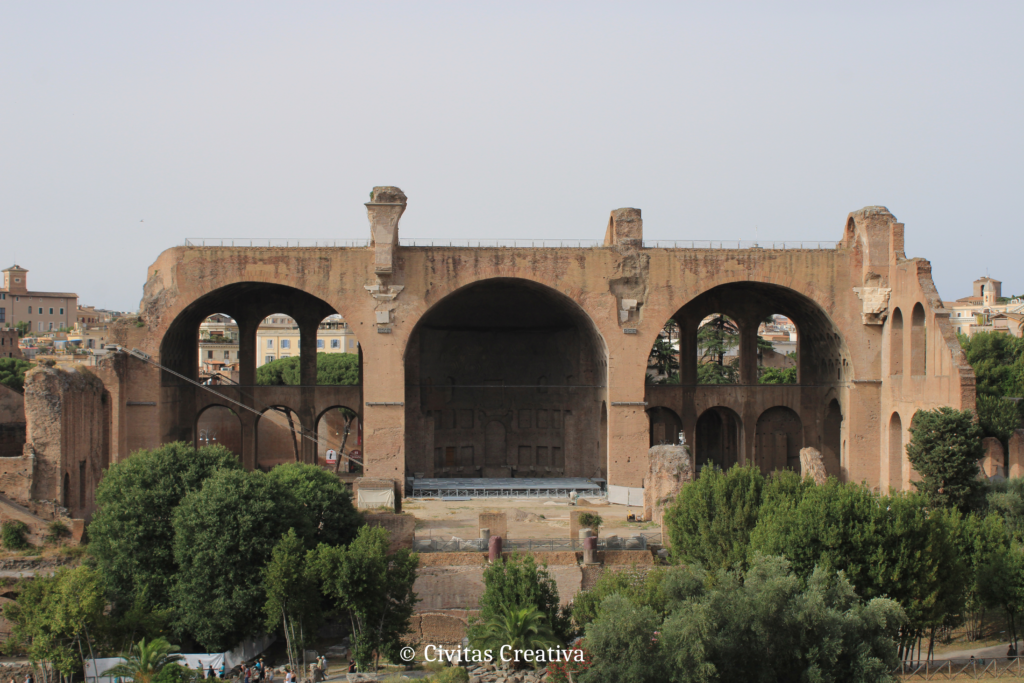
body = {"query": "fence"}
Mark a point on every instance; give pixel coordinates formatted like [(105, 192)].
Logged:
[(961, 669), (475, 545), (263, 243)]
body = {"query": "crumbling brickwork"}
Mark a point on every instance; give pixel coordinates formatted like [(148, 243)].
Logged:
[(68, 418)]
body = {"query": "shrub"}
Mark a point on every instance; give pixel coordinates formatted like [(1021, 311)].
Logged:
[(591, 520), (56, 531), (455, 674), (12, 532)]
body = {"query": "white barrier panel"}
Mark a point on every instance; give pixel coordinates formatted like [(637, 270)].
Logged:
[(625, 495), (95, 667)]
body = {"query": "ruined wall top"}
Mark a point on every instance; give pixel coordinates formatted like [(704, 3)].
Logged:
[(625, 227)]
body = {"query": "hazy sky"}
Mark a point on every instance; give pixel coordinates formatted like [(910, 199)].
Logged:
[(127, 127)]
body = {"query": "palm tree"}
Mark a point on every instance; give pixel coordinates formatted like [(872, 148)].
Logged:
[(145, 661), (522, 628)]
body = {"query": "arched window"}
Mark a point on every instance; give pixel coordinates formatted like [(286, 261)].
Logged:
[(918, 343), (896, 452), (896, 343)]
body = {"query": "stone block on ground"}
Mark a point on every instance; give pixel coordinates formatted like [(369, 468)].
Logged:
[(669, 469), (811, 465)]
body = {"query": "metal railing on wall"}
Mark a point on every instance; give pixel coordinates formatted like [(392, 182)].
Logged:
[(641, 541), (491, 243)]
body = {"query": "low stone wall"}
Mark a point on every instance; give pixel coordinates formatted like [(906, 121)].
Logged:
[(438, 628)]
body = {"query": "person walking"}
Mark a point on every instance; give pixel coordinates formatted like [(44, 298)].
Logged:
[(209, 673)]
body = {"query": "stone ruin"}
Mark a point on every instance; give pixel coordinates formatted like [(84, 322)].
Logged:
[(669, 468), (812, 465)]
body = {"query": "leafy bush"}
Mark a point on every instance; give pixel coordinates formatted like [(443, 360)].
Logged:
[(519, 581), (13, 532), (56, 531), (455, 674), (12, 373), (590, 520)]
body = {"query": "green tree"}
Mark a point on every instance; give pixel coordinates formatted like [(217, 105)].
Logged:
[(520, 581), (765, 624), (1002, 584), (945, 446), (293, 596), (998, 363), (53, 617), (642, 588), (778, 376), (23, 328), (131, 535), (711, 519), (519, 628), (12, 373), (224, 534), (145, 661), (885, 545), (1006, 499), (998, 417), (324, 503), (373, 589), (331, 368)]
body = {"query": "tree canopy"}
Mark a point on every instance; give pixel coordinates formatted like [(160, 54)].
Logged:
[(331, 368), (131, 535), (764, 624), (945, 446), (12, 373)]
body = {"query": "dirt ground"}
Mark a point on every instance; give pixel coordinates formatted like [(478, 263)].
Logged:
[(527, 517)]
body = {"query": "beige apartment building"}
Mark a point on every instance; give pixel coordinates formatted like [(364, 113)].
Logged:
[(43, 311)]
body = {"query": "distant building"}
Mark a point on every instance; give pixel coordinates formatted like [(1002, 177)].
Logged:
[(986, 310), (43, 311), (9, 344)]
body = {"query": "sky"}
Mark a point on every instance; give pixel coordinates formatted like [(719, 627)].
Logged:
[(126, 128)]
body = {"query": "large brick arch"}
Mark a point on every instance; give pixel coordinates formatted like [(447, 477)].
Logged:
[(505, 377)]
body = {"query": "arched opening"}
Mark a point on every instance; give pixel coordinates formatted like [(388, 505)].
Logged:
[(247, 304), (218, 350), (718, 438), (918, 342), (665, 426), (505, 378), (663, 360), (896, 342), (718, 350), (219, 425), (778, 440), (278, 438), (776, 350), (719, 341), (338, 430), (830, 452), (896, 455), (278, 345), (66, 493)]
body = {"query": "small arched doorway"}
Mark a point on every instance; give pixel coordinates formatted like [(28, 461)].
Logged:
[(219, 425), (778, 440), (665, 426), (718, 438)]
